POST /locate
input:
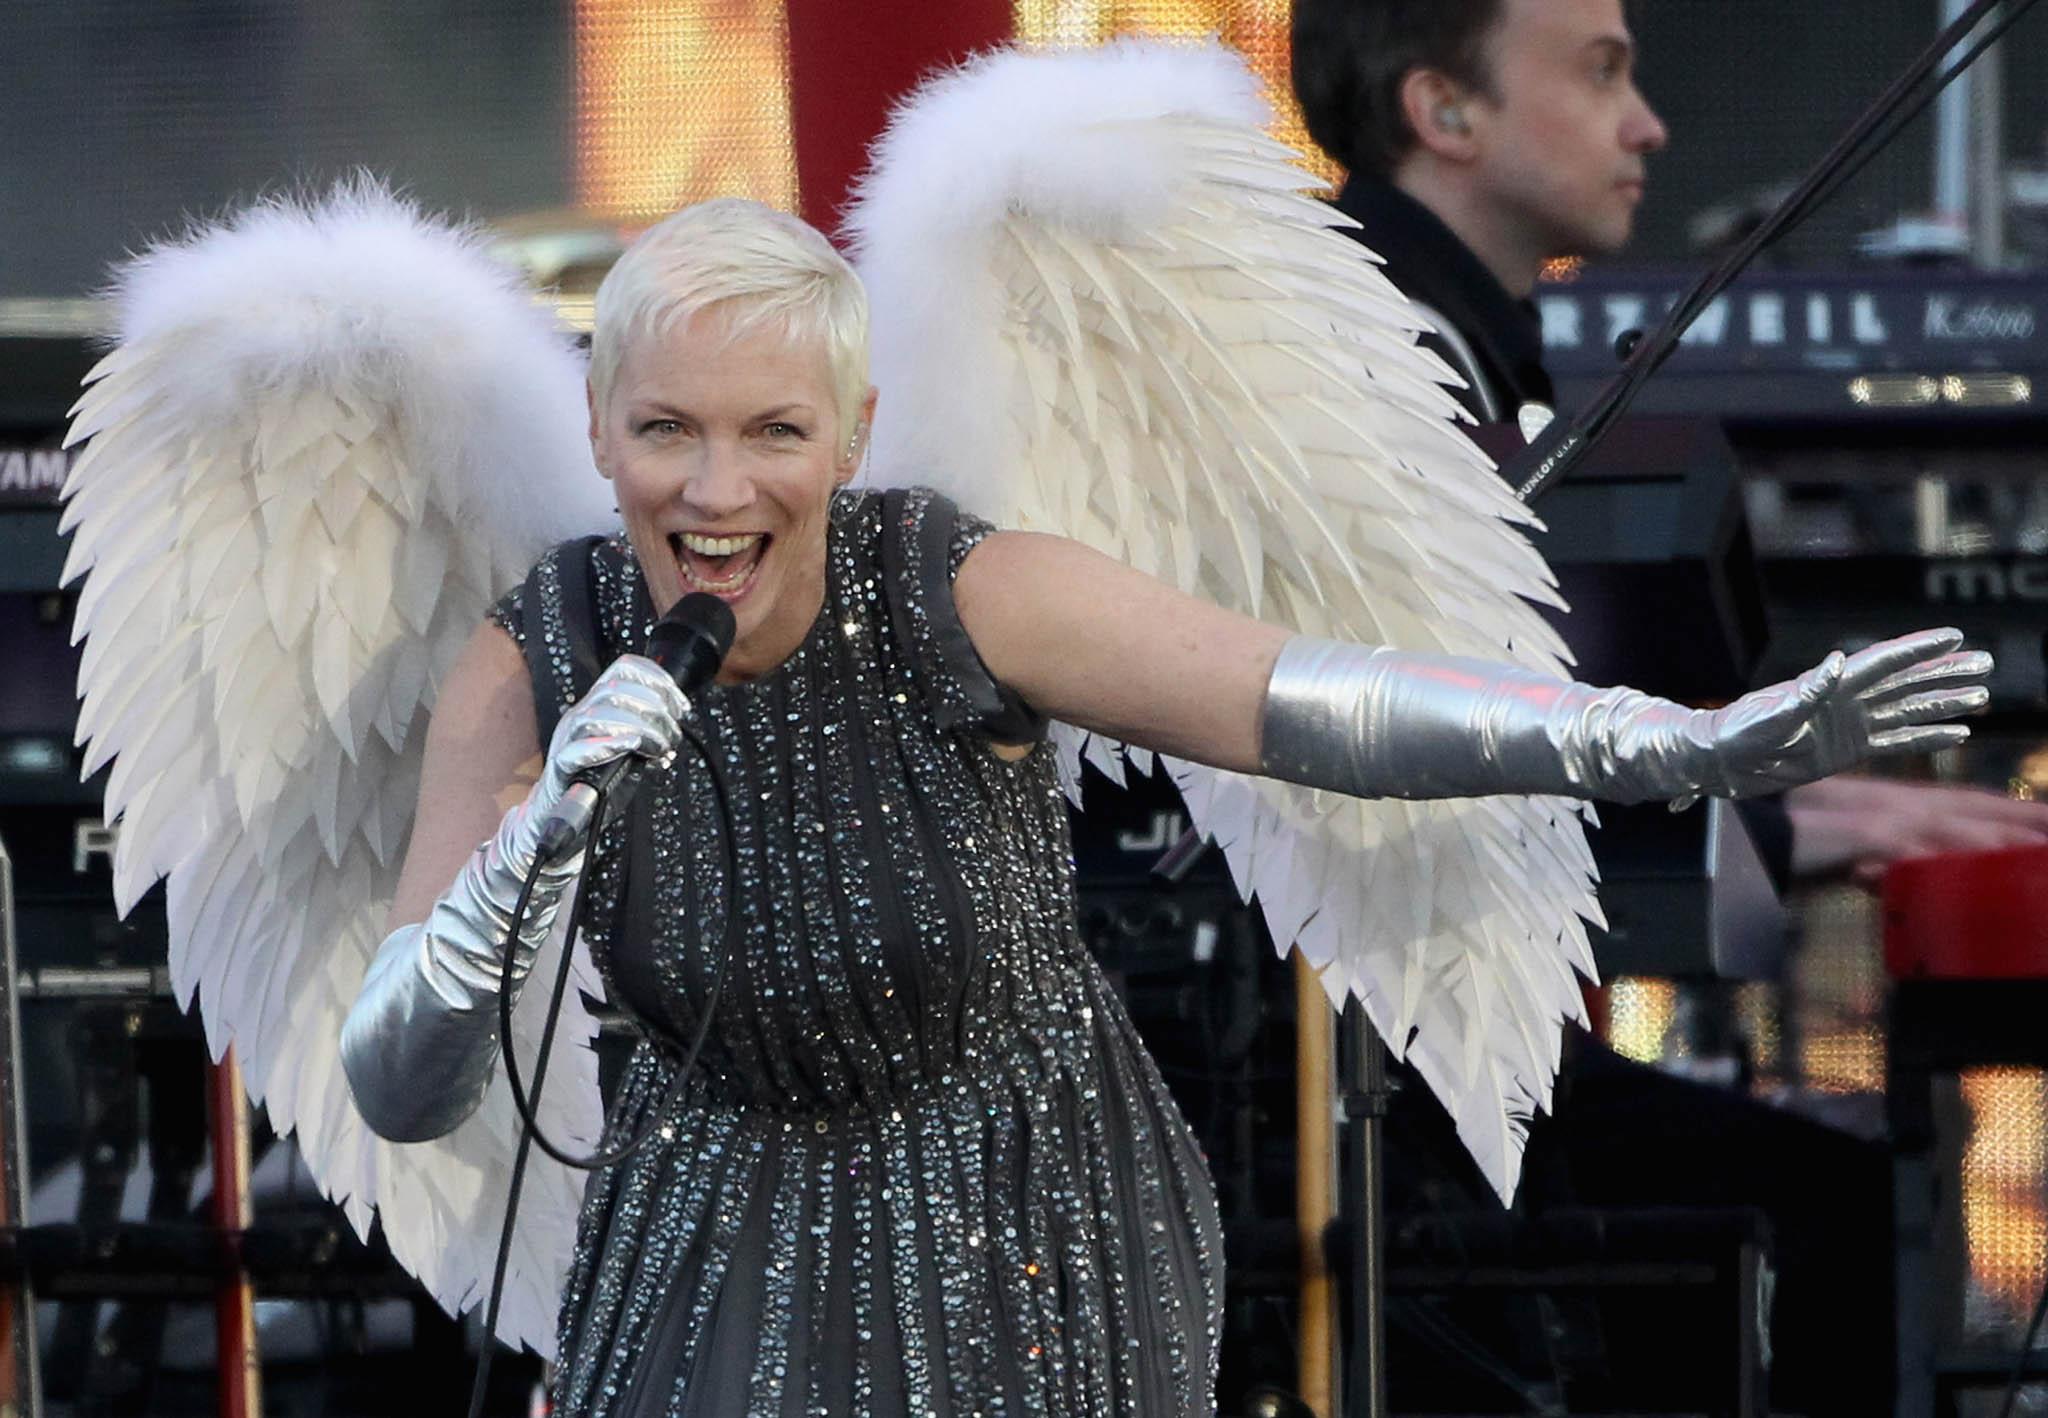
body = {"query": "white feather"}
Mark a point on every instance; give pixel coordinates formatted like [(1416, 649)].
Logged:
[(1103, 309), (332, 433)]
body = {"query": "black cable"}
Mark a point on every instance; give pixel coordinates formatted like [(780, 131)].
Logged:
[(526, 1101), (481, 1386), (1557, 450), (530, 1132)]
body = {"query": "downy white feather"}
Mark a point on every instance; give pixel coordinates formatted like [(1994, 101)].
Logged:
[(332, 433), (1104, 308)]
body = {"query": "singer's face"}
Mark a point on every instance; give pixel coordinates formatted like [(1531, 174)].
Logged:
[(725, 450)]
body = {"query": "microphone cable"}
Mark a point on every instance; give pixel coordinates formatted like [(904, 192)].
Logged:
[(1539, 466), (528, 1103)]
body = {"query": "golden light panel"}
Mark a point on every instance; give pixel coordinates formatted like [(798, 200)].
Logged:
[(2005, 1176), (1639, 1014), (1843, 1061), (1256, 29), (1838, 988), (680, 101)]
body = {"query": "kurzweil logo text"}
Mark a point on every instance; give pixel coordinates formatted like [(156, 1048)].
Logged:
[(1760, 319)]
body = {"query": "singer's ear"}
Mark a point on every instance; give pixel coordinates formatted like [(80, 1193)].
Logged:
[(857, 444), (596, 443)]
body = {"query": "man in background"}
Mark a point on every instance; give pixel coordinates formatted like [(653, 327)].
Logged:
[(1484, 139)]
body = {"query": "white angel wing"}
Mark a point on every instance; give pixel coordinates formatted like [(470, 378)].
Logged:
[(330, 436), (1103, 308)]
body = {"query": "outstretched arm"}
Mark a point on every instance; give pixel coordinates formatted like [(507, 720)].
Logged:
[(1088, 641), (421, 1039), (1094, 643)]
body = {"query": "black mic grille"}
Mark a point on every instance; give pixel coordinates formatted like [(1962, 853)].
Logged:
[(691, 641)]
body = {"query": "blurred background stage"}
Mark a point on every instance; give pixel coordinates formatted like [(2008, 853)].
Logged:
[(1851, 444)]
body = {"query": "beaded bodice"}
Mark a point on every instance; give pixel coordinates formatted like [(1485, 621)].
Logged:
[(922, 1166), (904, 893)]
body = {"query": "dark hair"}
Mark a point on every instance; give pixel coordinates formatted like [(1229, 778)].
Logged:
[(1350, 57)]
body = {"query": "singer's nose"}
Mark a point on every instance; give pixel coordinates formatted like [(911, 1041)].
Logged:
[(718, 486)]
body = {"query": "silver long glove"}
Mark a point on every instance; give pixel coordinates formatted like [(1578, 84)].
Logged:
[(1375, 722), (419, 1042)]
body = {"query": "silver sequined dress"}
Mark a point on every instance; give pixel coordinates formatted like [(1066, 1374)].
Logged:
[(925, 1167)]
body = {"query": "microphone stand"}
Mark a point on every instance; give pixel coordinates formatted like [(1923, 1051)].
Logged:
[(1362, 1059)]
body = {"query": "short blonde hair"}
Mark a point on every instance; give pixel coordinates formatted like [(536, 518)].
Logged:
[(771, 267)]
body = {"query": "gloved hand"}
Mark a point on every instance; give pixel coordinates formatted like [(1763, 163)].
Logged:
[(419, 1042), (1376, 722), (635, 707), (1886, 699)]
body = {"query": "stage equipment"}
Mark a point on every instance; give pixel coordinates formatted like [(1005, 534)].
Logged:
[(1968, 916), (1215, 1005), (1964, 942), (1316, 1205), (20, 1389), (1702, 1273), (1937, 1029), (240, 1366), (1881, 347), (1888, 437), (1552, 454), (1893, 453), (1653, 554)]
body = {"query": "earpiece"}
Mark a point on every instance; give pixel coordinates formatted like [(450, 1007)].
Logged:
[(1450, 118)]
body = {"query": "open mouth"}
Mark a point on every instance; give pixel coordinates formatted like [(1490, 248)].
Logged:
[(724, 566)]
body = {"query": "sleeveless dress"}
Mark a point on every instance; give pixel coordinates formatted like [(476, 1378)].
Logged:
[(923, 1165)]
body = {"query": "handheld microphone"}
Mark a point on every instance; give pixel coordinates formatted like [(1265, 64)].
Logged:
[(690, 642)]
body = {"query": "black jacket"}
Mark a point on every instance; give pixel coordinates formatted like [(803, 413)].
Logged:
[(1487, 335)]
